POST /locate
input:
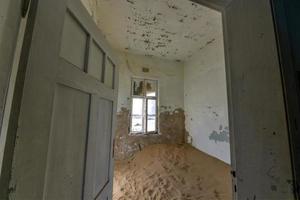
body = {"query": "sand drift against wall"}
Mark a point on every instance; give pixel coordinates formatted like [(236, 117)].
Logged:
[(171, 172), (171, 126)]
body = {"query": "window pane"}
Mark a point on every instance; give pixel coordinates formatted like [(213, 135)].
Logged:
[(151, 88), (151, 107), (138, 87), (137, 106), (151, 123), (137, 124)]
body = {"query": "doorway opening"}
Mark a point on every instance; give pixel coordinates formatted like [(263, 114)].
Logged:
[(178, 46), (77, 101)]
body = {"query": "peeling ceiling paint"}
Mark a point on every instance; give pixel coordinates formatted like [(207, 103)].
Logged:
[(171, 29)]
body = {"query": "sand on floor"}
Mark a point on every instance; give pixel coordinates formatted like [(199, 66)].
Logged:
[(172, 172)]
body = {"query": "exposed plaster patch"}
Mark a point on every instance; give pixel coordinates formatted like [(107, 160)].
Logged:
[(171, 126)]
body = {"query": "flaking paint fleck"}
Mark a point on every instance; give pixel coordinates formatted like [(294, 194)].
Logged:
[(165, 21)]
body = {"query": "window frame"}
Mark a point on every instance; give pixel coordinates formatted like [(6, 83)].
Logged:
[(145, 114)]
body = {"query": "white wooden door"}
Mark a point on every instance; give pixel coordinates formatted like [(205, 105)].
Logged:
[(65, 135)]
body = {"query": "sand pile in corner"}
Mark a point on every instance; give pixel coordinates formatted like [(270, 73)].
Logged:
[(171, 172)]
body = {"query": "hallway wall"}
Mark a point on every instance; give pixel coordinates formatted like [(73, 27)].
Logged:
[(205, 99)]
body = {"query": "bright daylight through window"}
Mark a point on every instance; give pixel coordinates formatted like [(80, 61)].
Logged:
[(144, 106)]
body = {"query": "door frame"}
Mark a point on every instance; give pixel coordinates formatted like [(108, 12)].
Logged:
[(18, 34), (223, 7), (219, 5), (10, 36), (9, 30)]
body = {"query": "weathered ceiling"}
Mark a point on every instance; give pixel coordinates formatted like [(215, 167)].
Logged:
[(172, 29)]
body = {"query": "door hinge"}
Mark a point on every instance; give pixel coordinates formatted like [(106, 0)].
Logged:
[(233, 174), (25, 7), (113, 148)]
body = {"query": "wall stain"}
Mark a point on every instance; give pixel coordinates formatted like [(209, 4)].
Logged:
[(172, 6), (154, 19), (221, 135), (130, 1), (215, 114), (210, 41)]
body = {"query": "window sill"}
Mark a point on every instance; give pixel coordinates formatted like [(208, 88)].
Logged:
[(144, 134)]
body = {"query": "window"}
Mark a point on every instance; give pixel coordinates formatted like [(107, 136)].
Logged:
[(144, 106)]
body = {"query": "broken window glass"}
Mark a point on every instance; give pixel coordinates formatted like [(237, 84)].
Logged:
[(151, 88), (138, 87)]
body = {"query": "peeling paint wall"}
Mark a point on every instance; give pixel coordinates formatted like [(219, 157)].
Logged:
[(171, 103), (170, 29), (205, 99)]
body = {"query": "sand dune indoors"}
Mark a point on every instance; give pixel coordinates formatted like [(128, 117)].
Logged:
[(171, 172)]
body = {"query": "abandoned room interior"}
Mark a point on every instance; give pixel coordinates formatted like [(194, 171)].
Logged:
[(149, 99), (172, 90)]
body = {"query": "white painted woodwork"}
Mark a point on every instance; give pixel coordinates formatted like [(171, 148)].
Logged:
[(74, 41), (67, 114), (98, 159), (96, 61)]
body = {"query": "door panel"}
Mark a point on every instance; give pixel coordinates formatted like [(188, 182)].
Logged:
[(96, 61), (109, 74), (74, 42), (64, 174), (67, 113), (99, 151)]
